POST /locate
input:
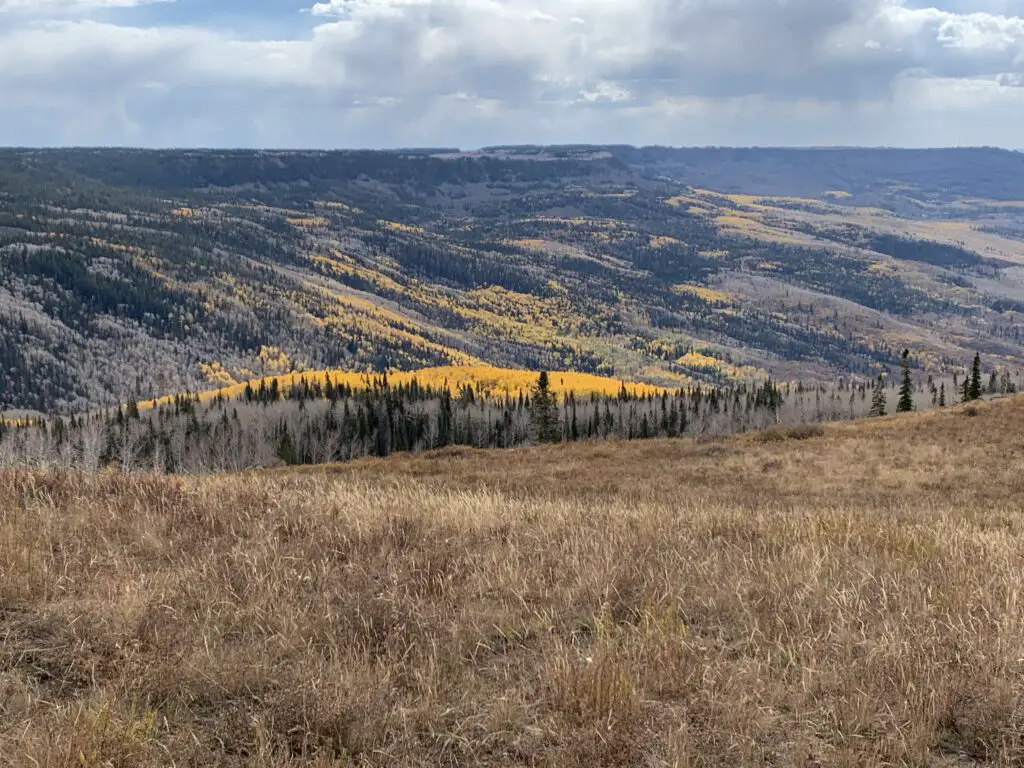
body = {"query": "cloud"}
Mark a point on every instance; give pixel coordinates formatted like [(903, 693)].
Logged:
[(471, 72)]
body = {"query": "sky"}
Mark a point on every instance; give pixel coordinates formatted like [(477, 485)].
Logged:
[(468, 73)]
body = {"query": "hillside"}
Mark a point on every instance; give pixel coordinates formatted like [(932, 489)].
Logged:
[(845, 599), (130, 275)]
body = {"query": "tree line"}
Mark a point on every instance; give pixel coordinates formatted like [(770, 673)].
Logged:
[(320, 421)]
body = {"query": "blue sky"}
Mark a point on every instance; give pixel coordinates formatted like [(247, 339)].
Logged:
[(383, 73)]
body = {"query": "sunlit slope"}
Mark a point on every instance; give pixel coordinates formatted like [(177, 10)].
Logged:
[(483, 379)]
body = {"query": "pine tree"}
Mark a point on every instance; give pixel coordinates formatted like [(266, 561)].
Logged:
[(906, 401), (942, 395), (965, 390), (445, 419), (286, 450), (544, 411), (879, 399), (975, 388)]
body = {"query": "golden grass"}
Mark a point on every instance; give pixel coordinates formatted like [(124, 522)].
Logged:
[(845, 597)]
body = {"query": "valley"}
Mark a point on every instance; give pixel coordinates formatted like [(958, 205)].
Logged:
[(131, 275)]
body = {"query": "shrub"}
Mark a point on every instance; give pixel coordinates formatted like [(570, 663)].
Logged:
[(795, 432), (805, 431)]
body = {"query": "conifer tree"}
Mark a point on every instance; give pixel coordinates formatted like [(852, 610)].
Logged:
[(544, 411), (879, 399), (445, 419), (286, 450), (906, 401), (975, 388), (965, 390), (942, 395)]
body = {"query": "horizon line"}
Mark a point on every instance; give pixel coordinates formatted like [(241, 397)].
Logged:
[(438, 150)]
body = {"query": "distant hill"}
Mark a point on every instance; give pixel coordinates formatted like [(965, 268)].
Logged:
[(870, 176), (134, 274)]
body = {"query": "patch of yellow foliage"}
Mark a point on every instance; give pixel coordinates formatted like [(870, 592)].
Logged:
[(183, 212), (483, 379), (748, 226), (578, 222), (698, 360), (216, 374), (691, 202), (660, 241), (704, 361), (532, 243), (119, 247), (399, 227), (710, 295), (767, 201), (837, 194), (308, 221), (274, 360), (338, 206)]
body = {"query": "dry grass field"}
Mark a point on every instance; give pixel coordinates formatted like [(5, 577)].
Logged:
[(846, 597)]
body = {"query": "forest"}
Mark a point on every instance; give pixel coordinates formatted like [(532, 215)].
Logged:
[(127, 275), (324, 420)]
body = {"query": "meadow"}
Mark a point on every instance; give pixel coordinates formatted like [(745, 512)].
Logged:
[(847, 595)]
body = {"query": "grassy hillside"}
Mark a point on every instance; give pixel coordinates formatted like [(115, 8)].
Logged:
[(130, 274), (847, 599)]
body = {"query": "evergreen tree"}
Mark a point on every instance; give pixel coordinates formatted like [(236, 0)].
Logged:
[(942, 395), (975, 388), (879, 399), (906, 401), (382, 439), (965, 390), (544, 411), (444, 420), (286, 450)]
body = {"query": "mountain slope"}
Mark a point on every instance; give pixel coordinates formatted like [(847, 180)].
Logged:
[(127, 274)]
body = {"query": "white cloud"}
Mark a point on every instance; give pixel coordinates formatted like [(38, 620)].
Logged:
[(400, 72)]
